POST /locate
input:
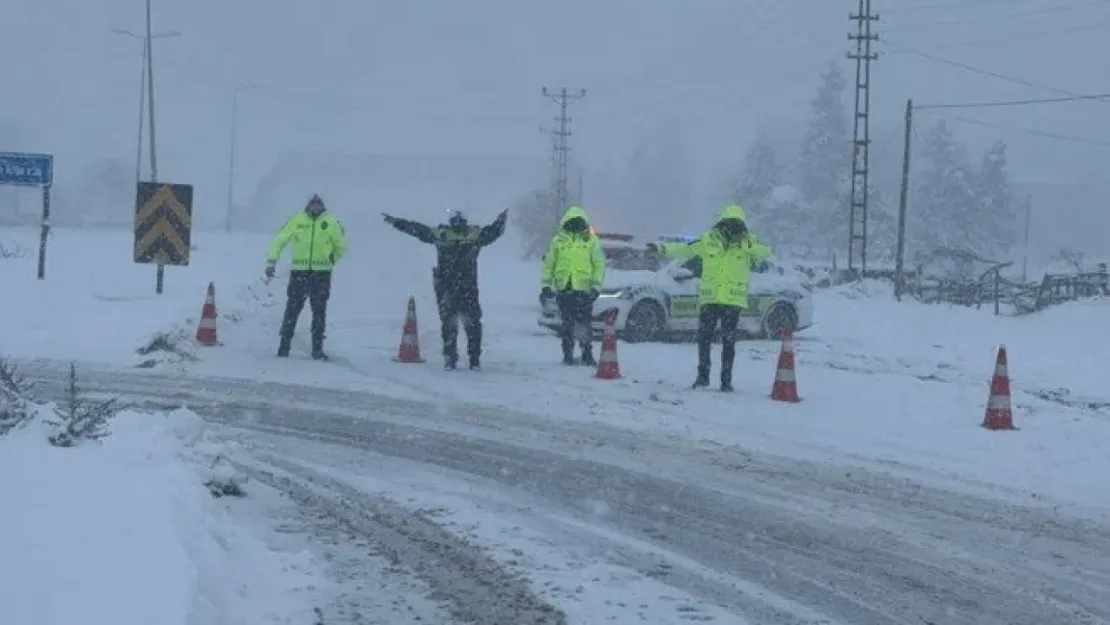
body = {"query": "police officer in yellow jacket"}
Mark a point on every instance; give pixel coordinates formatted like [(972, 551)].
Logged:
[(573, 270), (728, 252), (318, 243)]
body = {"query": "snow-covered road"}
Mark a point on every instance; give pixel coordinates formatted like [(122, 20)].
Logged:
[(715, 533)]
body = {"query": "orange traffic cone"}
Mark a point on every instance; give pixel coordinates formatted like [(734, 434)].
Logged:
[(206, 328), (786, 385), (999, 415), (410, 337), (608, 366)]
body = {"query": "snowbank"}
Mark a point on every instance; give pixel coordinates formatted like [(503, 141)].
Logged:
[(97, 305), (123, 532)]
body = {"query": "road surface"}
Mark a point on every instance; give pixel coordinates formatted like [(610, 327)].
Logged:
[(775, 540)]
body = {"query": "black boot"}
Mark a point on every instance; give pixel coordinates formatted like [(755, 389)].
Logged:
[(284, 347), (700, 382), (568, 352), (475, 363), (588, 356), (726, 379), (318, 349)]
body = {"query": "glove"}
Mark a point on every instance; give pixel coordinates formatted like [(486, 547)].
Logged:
[(270, 271), (388, 219), (653, 247), (546, 292), (595, 293)]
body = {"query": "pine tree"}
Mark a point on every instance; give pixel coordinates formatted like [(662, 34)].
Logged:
[(943, 196), (994, 223), (16, 401), (825, 161), (534, 216), (762, 173)]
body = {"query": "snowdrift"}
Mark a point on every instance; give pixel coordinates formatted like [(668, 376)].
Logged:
[(123, 531)]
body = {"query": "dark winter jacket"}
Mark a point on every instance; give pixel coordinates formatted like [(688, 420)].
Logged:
[(457, 248)]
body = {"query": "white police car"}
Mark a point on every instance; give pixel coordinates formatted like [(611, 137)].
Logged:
[(664, 304)]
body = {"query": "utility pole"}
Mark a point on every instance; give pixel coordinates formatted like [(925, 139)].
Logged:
[(231, 152), (861, 135), (142, 91), (560, 149), (903, 200)]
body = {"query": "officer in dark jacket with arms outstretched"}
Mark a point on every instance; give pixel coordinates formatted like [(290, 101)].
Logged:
[(455, 277)]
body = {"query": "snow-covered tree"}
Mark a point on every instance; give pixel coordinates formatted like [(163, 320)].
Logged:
[(943, 195), (824, 164), (762, 173), (994, 222), (825, 156), (536, 217), (16, 405), (79, 418), (656, 189)]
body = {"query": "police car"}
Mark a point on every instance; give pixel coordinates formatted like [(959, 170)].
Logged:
[(664, 305)]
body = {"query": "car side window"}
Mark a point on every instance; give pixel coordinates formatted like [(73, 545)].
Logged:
[(693, 266)]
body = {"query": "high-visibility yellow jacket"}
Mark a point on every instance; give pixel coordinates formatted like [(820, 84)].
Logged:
[(574, 261), (318, 241), (726, 264)]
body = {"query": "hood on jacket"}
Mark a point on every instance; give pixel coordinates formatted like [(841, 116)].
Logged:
[(574, 212), (733, 212)]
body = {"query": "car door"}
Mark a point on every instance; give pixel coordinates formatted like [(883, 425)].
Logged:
[(683, 300)]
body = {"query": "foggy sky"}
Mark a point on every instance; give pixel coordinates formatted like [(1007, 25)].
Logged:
[(440, 76)]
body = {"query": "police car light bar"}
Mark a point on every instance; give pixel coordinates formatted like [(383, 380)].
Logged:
[(613, 236), (676, 238)]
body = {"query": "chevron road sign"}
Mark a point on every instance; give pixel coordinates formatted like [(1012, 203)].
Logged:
[(163, 223)]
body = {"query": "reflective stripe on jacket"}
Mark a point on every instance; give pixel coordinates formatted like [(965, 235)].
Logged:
[(574, 261), (318, 242), (726, 264)]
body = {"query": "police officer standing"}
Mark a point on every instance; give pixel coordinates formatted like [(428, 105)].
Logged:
[(455, 277), (573, 270), (728, 252), (318, 243)]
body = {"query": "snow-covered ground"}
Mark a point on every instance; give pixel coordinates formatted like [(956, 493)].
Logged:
[(123, 531), (896, 387)]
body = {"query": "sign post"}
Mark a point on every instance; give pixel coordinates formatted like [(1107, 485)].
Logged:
[(163, 225), (21, 169)]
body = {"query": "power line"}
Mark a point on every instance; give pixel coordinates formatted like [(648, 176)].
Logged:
[(946, 5), (1041, 34), (1028, 131), (1004, 16), (976, 105), (983, 72)]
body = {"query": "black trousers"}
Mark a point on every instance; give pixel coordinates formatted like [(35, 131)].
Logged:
[(460, 309), (710, 317), (315, 287), (576, 311), (459, 306)]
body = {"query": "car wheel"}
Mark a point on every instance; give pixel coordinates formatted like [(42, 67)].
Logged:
[(778, 320), (645, 322)]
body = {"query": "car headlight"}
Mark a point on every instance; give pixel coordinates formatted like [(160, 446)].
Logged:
[(625, 294)]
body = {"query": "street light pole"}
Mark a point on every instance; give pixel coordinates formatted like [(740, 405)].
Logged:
[(233, 141), (150, 110), (142, 90)]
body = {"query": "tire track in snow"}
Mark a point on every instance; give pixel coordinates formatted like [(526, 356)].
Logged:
[(865, 548), (476, 589)]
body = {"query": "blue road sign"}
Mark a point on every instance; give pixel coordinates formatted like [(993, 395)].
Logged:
[(26, 170)]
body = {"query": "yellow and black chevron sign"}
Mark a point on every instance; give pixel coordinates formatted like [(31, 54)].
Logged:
[(163, 223)]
